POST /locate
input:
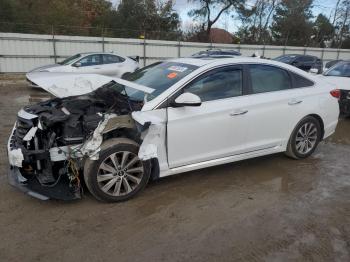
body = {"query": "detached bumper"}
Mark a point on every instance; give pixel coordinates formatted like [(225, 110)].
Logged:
[(15, 179), (32, 187)]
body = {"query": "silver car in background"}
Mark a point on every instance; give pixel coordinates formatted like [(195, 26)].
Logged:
[(109, 64)]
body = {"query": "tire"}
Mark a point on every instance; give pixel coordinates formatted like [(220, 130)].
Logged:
[(300, 145), (112, 180)]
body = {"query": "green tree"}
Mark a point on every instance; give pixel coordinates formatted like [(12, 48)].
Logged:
[(323, 30), (135, 18), (255, 21), (292, 23)]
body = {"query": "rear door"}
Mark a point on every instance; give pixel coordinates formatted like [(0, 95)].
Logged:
[(216, 128), (275, 107), (113, 65)]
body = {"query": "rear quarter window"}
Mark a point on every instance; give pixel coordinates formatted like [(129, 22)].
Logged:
[(299, 81)]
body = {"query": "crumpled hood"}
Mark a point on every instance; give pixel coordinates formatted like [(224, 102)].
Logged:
[(69, 84), (102, 100)]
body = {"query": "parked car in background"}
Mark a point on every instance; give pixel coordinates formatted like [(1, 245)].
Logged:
[(303, 62), (216, 53), (168, 118), (109, 64), (330, 64), (339, 75)]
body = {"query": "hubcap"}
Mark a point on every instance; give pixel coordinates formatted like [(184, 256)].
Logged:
[(306, 138), (120, 173)]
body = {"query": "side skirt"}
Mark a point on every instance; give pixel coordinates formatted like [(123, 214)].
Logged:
[(220, 161)]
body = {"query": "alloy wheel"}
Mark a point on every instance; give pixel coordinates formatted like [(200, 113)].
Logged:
[(306, 138), (120, 173)]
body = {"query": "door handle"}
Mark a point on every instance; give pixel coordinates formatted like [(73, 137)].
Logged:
[(238, 112), (97, 67), (294, 102)]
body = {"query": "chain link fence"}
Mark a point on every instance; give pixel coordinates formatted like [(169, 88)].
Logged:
[(26, 46)]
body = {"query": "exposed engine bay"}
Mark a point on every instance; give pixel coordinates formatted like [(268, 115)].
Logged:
[(51, 140)]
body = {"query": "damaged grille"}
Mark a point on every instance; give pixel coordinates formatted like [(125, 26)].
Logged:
[(22, 127)]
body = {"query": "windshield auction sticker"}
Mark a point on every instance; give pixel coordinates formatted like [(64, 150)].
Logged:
[(180, 69), (172, 75)]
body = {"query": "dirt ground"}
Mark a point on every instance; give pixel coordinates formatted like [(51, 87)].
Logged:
[(266, 209)]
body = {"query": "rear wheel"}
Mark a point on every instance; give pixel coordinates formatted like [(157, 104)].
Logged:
[(118, 174), (304, 139)]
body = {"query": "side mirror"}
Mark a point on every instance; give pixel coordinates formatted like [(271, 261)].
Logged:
[(77, 64), (314, 71), (187, 99)]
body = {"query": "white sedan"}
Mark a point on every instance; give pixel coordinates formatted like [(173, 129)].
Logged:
[(109, 64), (339, 76), (169, 118)]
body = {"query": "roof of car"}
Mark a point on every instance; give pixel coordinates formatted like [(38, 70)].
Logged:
[(237, 60), (208, 60), (298, 55), (97, 53)]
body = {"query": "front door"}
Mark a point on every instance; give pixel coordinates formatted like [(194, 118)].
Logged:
[(216, 128), (91, 64)]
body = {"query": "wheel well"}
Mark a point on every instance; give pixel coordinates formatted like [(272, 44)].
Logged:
[(319, 119)]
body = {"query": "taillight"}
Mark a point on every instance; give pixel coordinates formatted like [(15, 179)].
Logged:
[(335, 93)]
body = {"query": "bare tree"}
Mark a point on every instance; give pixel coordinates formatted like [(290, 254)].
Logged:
[(206, 12)]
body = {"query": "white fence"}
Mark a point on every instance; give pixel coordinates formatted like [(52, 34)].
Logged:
[(22, 52)]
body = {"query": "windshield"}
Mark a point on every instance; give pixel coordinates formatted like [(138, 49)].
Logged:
[(158, 76), (285, 58), (68, 60), (340, 69)]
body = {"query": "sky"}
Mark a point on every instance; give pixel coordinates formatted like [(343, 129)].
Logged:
[(226, 22)]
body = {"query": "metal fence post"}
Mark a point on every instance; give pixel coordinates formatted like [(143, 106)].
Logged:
[(338, 53), (263, 49), (144, 49), (103, 40), (179, 49), (54, 44)]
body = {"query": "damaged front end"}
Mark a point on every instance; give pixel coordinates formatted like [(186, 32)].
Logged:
[(51, 140)]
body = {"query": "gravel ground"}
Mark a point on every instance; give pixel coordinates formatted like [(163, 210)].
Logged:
[(265, 209)]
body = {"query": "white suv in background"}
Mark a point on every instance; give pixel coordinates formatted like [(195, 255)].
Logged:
[(94, 63)]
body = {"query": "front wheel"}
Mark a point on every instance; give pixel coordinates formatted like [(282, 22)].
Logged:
[(118, 174), (304, 139)]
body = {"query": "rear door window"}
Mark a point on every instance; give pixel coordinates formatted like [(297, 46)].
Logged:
[(265, 78), (112, 59)]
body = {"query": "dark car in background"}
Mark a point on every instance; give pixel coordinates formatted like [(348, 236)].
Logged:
[(330, 64), (339, 75), (217, 53), (303, 62)]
